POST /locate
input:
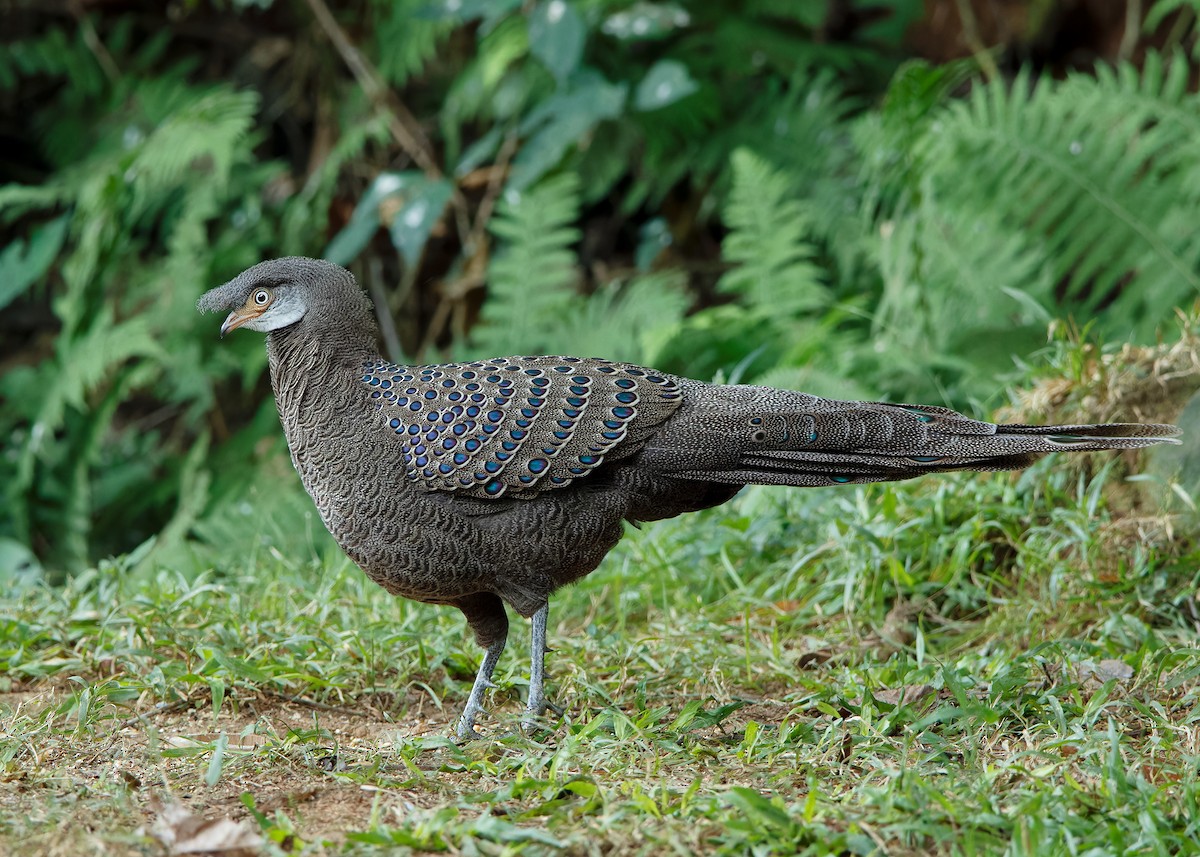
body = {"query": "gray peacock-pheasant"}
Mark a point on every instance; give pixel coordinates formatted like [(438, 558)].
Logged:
[(480, 484)]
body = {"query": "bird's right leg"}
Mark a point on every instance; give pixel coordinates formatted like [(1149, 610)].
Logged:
[(485, 614)]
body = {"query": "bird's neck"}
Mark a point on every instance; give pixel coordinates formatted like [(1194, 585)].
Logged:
[(292, 348), (317, 372)]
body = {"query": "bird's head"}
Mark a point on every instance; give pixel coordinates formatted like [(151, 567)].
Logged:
[(280, 293)]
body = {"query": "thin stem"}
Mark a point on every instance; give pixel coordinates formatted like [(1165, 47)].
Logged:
[(387, 325), (1133, 29), (403, 126), (970, 27)]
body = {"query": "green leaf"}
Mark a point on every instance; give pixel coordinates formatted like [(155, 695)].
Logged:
[(556, 36), (408, 203), (583, 788), (493, 829), (422, 203), (1162, 9), (762, 810), (645, 21), (624, 321), (364, 221), (216, 688), (653, 237), (19, 567), (217, 762), (22, 264), (467, 10), (561, 121), (666, 82), (478, 152)]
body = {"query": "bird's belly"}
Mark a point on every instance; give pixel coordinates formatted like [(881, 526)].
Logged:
[(439, 548)]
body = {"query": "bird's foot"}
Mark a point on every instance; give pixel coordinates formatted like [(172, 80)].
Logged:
[(466, 723), (533, 719)]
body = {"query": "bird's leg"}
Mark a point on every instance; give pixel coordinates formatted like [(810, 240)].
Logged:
[(537, 670), (485, 614), (483, 683)]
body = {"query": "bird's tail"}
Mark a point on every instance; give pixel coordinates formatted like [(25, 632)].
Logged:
[(783, 438)]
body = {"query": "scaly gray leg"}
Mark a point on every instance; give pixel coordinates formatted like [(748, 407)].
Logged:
[(483, 682), (537, 671)]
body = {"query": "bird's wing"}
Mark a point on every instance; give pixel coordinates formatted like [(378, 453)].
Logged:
[(516, 426)]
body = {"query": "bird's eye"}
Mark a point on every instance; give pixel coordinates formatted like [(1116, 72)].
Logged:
[(261, 297)]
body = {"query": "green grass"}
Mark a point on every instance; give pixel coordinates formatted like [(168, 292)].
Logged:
[(964, 665)]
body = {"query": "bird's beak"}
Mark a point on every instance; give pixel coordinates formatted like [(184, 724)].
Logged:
[(236, 319)]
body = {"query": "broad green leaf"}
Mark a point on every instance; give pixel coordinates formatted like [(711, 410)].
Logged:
[(667, 82), (494, 829), (556, 35), (653, 237), (422, 203), (467, 10), (561, 121), (478, 152), (763, 810), (407, 203), (19, 567), (354, 236), (24, 263)]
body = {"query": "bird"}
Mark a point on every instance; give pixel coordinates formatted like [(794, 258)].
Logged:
[(496, 482)]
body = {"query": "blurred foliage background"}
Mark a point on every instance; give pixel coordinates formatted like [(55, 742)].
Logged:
[(858, 198)]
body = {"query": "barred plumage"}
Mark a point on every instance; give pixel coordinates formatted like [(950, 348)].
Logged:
[(476, 484)]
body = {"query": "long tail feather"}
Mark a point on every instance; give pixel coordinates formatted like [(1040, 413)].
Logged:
[(775, 437)]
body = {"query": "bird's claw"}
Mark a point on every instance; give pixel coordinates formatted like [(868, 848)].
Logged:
[(533, 717), (466, 729)]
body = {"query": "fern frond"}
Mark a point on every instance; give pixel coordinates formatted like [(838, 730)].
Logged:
[(54, 54), (204, 133), (805, 132), (80, 365), (774, 273), (624, 322), (973, 287), (1093, 168), (407, 39), (531, 277)]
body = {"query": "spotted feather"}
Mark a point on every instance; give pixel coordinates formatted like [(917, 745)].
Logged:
[(516, 426)]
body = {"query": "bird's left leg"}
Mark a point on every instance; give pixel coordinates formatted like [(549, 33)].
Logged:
[(485, 614), (537, 670)]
